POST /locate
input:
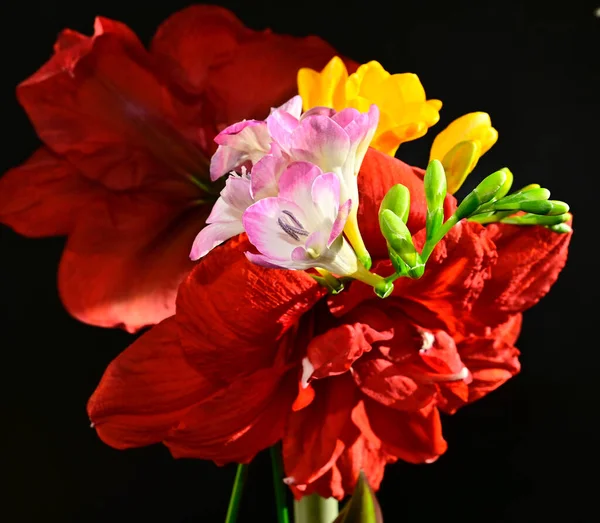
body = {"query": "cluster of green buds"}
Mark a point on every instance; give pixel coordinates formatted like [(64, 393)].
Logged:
[(489, 202)]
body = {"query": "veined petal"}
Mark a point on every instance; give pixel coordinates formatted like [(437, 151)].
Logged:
[(321, 141), (281, 124)]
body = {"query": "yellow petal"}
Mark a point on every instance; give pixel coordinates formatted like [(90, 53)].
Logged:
[(459, 162), (472, 126), (327, 88)]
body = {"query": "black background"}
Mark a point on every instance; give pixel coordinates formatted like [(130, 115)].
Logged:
[(525, 453)]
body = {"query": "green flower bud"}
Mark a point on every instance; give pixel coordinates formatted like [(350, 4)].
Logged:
[(507, 184), (362, 506), (397, 200), (534, 219), (545, 207), (482, 194), (435, 193), (435, 185), (561, 228), (398, 238)]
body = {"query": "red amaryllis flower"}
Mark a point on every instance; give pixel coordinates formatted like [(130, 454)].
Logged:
[(351, 382), (127, 136)]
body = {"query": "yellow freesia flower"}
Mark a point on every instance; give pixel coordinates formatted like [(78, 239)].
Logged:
[(405, 113), (460, 145)]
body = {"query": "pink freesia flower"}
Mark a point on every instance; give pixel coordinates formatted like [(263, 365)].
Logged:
[(335, 142), (302, 226)]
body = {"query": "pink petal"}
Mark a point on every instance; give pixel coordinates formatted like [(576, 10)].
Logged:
[(320, 140), (264, 232), (296, 183), (325, 194), (293, 106), (239, 143), (281, 124), (267, 171), (213, 235)]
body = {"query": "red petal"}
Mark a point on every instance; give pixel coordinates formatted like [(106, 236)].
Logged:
[(340, 480), (101, 105), (363, 456), (232, 313), (529, 262), (125, 259), (244, 72), (379, 172), (245, 418), (192, 41), (454, 278), (43, 196), (492, 359), (387, 383), (314, 435), (335, 351), (415, 437), (146, 390)]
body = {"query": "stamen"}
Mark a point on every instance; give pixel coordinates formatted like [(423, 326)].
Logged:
[(296, 230)]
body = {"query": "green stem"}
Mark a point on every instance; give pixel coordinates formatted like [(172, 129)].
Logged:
[(442, 231), (278, 485), (315, 509), (236, 493)]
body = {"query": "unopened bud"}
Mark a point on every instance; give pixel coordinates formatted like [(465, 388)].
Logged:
[(535, 219), (459, 162), (482, 194), (435, 185), (545, 207), (398, 238), (561, 228), (507, 184), (397, 200)]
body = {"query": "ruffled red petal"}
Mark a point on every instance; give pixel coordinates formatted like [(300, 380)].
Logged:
[(492, 359), (314, 437), (146, 390), (415, 437), (232, 312), (529, 262)]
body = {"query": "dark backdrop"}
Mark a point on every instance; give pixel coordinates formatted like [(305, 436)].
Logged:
[(524, 454)]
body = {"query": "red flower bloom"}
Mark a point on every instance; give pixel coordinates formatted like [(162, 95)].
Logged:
[(127, 136), (227, 375)]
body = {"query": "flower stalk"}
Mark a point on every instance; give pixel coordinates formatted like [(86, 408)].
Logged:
[(236, 493), (315, 509)]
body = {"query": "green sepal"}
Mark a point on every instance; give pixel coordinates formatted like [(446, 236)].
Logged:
[(362, 507), (545, 207), (561, 228)]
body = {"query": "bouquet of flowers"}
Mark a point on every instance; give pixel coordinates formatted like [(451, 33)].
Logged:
[(305, 291)]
